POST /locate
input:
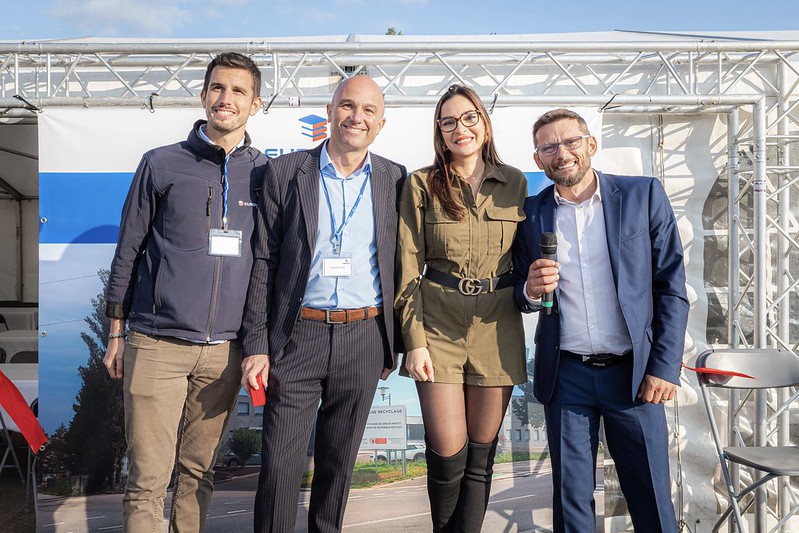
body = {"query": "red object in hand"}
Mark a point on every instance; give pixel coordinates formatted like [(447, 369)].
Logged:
[(258, 395)]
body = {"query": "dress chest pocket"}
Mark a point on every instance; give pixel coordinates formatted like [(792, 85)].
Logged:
[(502, 223), (444, 237)]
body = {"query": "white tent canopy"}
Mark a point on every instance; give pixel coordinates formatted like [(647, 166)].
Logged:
[(19, 191)]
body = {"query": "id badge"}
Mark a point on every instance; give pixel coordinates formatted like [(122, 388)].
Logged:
[(224, 242), (336, 265)]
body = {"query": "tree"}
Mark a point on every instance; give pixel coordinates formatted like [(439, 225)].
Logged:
[(393, 31), (526, 408), (245, 443), (56, 458), (95, 438)]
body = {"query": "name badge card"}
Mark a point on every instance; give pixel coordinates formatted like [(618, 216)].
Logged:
[(225, 243), (336, 265)]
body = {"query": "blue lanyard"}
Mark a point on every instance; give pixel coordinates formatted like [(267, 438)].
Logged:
[(225, 186), (335, 238)]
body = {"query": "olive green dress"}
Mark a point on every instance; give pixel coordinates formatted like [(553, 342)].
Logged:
[(477, 340)]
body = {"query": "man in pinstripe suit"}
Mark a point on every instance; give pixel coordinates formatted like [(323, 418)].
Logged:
[(318, 324)]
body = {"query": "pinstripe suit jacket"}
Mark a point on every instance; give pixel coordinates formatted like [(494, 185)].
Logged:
[(285, 233)]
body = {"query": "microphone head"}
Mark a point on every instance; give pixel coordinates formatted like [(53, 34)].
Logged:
[(549, 243)]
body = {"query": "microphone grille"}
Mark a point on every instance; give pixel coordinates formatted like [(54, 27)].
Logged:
[(548, 239)]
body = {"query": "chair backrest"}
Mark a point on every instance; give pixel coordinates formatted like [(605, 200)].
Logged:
[(768, 368), (27, 356)]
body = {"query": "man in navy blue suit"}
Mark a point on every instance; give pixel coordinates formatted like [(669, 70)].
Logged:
[(611, 345)]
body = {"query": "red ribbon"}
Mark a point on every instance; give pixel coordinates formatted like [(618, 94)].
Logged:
[(706, 370), (19, 411)]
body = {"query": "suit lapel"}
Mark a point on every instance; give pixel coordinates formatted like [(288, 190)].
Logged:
[(380, 194), (546, 218), (308, 188), (611, 208), (546, 223)]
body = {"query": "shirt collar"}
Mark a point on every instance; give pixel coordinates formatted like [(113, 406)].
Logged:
[(326, 166), (596, 197), (207, 139), (492, 171)]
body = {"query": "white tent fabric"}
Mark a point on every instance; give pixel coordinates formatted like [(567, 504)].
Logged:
[(19, 191)]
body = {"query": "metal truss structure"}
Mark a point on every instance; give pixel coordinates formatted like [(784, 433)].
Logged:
[(752, 84)]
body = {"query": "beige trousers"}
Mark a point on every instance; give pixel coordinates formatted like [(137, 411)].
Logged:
[(178, 398)]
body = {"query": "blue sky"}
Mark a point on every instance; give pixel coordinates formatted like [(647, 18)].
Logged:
[(54, 19)]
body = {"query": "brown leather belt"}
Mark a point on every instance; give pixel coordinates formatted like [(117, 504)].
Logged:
[(340, 316)]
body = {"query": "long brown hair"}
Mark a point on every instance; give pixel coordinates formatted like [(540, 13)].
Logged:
[(441, 181)]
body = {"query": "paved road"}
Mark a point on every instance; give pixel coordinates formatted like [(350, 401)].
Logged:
[(520, 502)]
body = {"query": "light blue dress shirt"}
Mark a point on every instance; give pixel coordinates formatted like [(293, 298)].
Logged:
[(362, 288)]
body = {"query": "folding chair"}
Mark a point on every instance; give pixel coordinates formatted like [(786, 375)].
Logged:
[(26, 421), (31, 483), (26, 356), (766, 369), (10, 451)]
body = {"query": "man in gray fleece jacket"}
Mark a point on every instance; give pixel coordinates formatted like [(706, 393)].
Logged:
[(178, 281)]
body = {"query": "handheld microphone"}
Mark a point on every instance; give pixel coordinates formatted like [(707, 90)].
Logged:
[(549, 247)]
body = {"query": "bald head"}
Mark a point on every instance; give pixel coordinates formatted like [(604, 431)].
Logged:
[(355, 116), (364, 83)]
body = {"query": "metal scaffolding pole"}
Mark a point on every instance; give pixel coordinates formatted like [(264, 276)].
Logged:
[(760, 238), (734, 334), (783, 269)]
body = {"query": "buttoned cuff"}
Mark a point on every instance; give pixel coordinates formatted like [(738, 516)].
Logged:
[(116, 310), (535, 303)]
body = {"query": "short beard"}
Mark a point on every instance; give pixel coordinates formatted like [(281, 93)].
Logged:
[(569, 182), (221, 127)]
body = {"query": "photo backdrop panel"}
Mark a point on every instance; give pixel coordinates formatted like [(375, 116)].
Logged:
[(87, 160)]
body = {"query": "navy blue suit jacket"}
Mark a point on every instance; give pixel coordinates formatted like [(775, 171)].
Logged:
[(646, 257)]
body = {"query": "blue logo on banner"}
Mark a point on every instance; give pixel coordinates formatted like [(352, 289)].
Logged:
[(314, 127)]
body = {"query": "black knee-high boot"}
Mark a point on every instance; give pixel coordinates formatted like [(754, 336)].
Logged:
[(475, 487), (444, 477)]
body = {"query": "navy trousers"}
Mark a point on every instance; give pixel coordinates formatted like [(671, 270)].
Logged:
[(637, 439)]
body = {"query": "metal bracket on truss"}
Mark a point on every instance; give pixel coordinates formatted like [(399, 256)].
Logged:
[(493, 103), (265, 107), (29, 106), (150, 98), (606, 105)]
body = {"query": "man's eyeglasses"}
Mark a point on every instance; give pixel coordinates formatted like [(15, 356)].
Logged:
[(572, 143), (468, 119)]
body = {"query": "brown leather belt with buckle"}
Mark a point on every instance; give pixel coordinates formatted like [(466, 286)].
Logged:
[(340, 316), (469, 286), (599, 360)]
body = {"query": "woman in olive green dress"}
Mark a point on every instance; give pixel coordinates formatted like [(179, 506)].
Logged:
[(462, 330)]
